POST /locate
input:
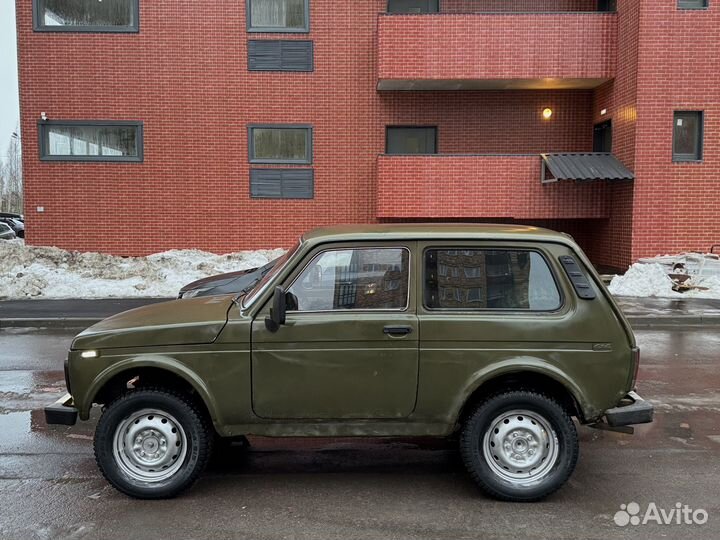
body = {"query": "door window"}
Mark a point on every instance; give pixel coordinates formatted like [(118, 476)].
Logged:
[(489, 279), (362, 279)]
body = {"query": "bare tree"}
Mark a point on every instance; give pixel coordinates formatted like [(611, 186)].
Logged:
[(11, 189)]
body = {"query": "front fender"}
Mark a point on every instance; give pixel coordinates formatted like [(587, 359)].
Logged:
[(524, 364), (158, 361)]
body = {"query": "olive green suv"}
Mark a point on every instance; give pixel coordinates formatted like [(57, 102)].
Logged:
[(499, 334)]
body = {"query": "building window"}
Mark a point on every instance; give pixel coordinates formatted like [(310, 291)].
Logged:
[(688, 136), (91, 141), (278, 16), (413, 6), (411, 140), (507, 279), (692, 4), (280, 144), (86, 15), (361, 279)]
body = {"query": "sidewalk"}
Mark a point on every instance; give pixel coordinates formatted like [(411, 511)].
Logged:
[(79, 314)]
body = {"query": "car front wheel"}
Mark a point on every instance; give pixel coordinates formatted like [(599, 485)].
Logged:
[(152, 444), (519, 446)]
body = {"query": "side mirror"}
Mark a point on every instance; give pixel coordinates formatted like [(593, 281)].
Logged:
[(277, 311)]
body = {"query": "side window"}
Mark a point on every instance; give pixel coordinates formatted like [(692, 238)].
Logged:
[(488, 279), (363, 278)]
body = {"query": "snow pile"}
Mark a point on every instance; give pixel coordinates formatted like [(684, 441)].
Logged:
[(651, 279), (48, 272)]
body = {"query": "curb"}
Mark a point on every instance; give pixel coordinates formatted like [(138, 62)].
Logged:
[(683, 320), (80, 323), (70, 323)]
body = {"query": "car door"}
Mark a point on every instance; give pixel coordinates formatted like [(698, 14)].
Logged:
[(349, 348)]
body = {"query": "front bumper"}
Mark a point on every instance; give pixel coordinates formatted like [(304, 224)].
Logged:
[(62, 412), (632, 410)]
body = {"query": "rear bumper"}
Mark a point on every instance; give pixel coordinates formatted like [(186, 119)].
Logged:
[(62, 412), (632, 410)]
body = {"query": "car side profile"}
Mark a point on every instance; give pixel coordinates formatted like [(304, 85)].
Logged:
[(500, 334), (6, 232)]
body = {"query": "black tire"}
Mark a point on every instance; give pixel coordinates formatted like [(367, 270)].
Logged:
[(197, 442), (489, 478)]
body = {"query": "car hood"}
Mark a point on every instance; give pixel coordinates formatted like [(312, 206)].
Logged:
[(178, 322)]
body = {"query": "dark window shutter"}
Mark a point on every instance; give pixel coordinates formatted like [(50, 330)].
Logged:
[(281, 183), (280, 55), (297, 56)]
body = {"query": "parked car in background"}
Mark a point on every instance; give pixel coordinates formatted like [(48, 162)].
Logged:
[(6, 232), (15, 224), (229, 283), (498, 334)]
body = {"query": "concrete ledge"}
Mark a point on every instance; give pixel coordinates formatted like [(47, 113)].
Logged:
[(680, 320), (70, 323)]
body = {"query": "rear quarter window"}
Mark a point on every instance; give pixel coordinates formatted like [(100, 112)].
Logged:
[(489, 279)]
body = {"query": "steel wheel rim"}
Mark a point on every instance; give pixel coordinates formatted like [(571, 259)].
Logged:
[(150, 446), (521, 447)]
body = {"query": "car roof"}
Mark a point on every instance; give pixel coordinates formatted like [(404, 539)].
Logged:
[(434, 231)]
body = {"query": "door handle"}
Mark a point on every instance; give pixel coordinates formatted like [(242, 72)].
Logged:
[(397, 330)]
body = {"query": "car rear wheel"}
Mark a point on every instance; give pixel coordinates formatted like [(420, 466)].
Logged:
[(519, 446), (152, 444)]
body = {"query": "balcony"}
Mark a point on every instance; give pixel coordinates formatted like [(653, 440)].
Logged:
[(498, 51), (448, 186)]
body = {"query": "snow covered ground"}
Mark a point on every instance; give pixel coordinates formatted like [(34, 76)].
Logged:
[(48, 272), (650, 279)]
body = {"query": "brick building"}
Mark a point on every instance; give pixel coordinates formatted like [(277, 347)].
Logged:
[(238, 124)]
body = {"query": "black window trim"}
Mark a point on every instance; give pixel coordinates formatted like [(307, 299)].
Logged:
[(97, 29), (690, 158), (42, 147), (274, 29), (514, 311), (321, 250), (410, 126), (387, 9), (251, 145), (705, 7)]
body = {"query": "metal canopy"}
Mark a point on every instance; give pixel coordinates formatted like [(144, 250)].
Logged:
[(583, 167)]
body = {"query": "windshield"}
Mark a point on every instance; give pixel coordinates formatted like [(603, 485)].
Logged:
[(259, 286)]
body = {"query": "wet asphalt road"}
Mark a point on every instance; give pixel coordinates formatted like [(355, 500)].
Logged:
[(50, 486)]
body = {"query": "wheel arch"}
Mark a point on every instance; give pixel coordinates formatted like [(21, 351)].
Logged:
[(523, 376), (158, 371)]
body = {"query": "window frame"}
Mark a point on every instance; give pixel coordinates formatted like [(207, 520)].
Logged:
[(38, 26), (437, 3), (140, 142), (561, 292), (308, 160), (376, 310), (274, 29), (402, 126), (682, 7), (690, 158)]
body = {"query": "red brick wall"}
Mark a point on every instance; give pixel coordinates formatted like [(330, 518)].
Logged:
[(474, 6), (496, 122), (610, 241), (512, 46), (186, 77), (676, 204), (503, 187)]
